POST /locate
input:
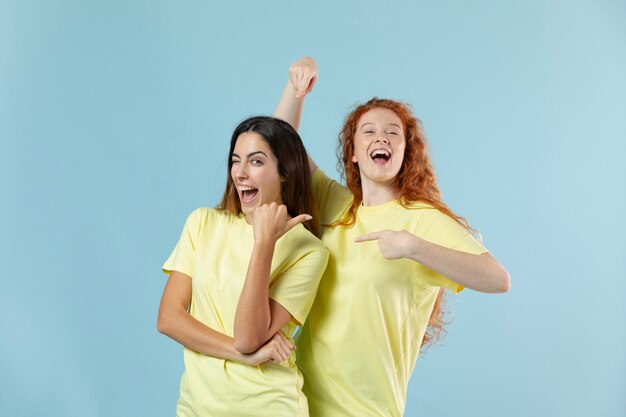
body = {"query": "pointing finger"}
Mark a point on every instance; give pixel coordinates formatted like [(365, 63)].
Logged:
[(367, 236)]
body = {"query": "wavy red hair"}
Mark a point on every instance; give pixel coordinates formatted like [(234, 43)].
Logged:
[(415, 182)]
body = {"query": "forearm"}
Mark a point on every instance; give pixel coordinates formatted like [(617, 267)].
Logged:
[(253, 317), (478, 272), (191, 333), (289, 108)]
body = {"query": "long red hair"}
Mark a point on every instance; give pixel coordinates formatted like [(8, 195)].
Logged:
[(415, 182)]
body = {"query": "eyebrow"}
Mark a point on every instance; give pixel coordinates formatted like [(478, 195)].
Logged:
[(371, 123), (251, 154)]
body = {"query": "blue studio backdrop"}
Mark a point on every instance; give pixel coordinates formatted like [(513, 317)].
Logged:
[(115, 118)]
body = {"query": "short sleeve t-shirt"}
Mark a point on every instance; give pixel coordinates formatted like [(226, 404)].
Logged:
[(214, 250), (360, 343)]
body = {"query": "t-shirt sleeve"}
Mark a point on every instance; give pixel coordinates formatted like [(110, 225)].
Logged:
[(296, 287), (439, 228), (182, 258), (333, 199)]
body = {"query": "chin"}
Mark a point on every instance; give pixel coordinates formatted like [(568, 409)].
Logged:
[(383, 178)]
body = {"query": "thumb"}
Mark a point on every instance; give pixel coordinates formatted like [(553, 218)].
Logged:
[(298, 219), (311, 84)]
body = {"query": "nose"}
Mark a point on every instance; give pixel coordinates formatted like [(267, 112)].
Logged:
[(383, 139), (239, 170)]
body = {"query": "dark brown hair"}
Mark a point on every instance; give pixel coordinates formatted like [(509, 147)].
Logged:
[(293, 167)]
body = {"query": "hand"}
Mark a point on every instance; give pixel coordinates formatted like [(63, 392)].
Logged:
[(393, 244), (303, 75), (271, 221), (275, 350)]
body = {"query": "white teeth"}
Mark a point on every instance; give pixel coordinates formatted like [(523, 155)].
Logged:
[(245, 188), (380, 152)]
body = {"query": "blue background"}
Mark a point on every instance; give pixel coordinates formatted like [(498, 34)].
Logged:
[(114, 123)]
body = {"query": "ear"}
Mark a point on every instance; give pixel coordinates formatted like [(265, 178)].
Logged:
[(354, 158)]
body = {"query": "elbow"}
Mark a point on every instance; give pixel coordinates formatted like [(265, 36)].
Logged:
[(503, 281), (164, 323), (247, 340), (248, 337), (246, 344), (497, 278)]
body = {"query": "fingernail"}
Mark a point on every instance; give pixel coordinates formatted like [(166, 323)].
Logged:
[(308, 217)]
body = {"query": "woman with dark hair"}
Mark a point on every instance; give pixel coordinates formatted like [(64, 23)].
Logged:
[(394, 247), (243, 276)]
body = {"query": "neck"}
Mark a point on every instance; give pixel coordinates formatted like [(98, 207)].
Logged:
[(375, 194)]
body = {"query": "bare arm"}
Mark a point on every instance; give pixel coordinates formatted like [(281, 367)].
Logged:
[(258, 317), (175, 321), (302, 78), (478, 272)]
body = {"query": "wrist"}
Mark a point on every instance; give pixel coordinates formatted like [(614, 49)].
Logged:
[(264, 242), (234, 355), (245, 358), (415, 244)]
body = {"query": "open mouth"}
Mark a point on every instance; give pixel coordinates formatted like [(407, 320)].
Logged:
[(380, 156), (247, 194)]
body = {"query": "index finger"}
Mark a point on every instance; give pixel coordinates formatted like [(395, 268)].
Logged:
[(367, 236)]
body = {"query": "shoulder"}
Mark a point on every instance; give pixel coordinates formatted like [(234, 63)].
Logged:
[(299, 250), (324, 183), (299, 240), (426, 211), (333, 199), (426, 218), (200, 215), (417, 205), (438, 227), (204, 216)]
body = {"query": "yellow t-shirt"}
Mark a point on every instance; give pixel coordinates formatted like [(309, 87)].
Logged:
[(359, 346), (214, 249)]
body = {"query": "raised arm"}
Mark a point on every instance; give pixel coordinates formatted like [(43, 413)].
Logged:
[(175, 321), (258, 317), (302, 78)]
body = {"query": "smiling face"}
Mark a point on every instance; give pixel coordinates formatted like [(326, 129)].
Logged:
[(379, 145), (254, 171)]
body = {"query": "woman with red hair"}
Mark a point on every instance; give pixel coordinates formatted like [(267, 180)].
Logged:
[(394, 249)]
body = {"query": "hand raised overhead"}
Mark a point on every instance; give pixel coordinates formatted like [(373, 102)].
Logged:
[(303, 75)]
